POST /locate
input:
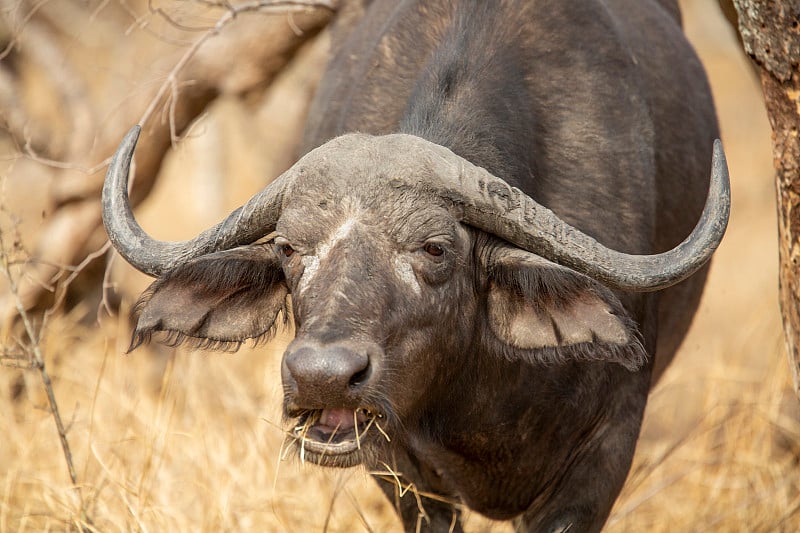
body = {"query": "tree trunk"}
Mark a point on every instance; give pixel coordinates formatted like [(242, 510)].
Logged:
[(770, 31)]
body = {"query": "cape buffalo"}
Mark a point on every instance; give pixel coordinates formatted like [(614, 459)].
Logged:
[(484, 248)]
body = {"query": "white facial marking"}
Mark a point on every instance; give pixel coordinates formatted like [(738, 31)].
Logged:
[(311, 262), (404, 271), (338, 235), (310, 267)]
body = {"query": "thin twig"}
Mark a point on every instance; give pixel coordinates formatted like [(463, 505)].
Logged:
[(107, 283), (62, 287), (27, 152), (166, 16), (16, 363), (230, 14), (38, 362), (16, 37)]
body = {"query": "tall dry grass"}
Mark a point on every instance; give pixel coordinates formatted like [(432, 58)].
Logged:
[(173, 440)]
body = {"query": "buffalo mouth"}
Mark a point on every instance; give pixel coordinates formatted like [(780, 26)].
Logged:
[(336, 436)]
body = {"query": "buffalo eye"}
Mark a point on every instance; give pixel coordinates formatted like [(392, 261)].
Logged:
[(433, 249), (282, 246)]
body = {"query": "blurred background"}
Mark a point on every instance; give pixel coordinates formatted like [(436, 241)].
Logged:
[(175, 440)]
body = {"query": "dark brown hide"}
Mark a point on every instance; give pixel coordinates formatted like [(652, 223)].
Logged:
[(503, 380), (602, 112)]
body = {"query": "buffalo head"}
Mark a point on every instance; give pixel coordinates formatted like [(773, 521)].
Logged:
[(402, 260)]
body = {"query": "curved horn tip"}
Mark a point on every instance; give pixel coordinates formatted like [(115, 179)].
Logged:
[(124, 152), (124, 232), (720, 175), (136, 129), (128, 143), (718, 156)]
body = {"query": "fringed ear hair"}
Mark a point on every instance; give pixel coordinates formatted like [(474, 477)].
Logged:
[(545, 312), (216, 301)]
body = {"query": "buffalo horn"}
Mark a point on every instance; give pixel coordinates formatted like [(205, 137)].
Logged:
[(490, 204), (243, 226)]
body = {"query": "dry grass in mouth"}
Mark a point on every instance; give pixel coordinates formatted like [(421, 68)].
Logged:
[(404, 488), (298, 435)]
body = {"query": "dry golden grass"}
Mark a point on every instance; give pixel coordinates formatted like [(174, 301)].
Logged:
[(168, 440)]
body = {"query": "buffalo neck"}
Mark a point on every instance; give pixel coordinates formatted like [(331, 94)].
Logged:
[(478, 433)]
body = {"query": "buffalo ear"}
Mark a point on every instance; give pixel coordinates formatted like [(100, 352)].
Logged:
[(545, 312), (220, 299)]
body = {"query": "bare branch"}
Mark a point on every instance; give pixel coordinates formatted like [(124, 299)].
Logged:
[(76, 270), (14, 41), (37, 361), (28, 152), (195, 79), (40, 45), (224, 20), (14, 115), (17, 363)]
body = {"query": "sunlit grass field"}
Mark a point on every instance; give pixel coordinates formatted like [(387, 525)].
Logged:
[(174, 440)]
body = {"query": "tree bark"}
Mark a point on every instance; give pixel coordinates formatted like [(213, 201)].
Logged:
[(770, 32)]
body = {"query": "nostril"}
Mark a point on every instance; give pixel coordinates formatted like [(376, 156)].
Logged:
[(360, 377)]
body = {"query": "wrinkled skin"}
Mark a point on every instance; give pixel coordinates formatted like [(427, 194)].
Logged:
[(475, 370)]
